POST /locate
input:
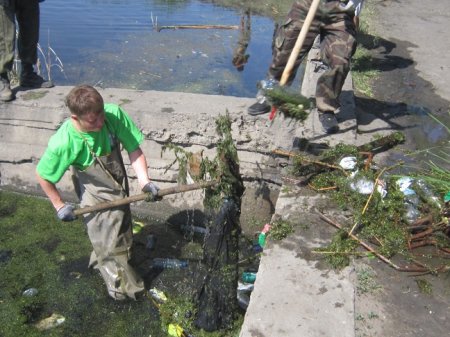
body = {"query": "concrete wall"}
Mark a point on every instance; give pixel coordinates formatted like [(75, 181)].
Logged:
[(187, 120)]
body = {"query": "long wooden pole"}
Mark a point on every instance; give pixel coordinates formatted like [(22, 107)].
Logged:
[(143, 196), (299, 43)]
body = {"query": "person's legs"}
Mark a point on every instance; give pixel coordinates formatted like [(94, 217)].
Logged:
[(111, 238), (338, 46), (7, 41), (284, 41), (27, 14)]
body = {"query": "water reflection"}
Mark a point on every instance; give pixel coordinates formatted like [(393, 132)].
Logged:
[(113, 44), (239, 55)]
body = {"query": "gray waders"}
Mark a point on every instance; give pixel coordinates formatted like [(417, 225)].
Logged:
[(110, 231)]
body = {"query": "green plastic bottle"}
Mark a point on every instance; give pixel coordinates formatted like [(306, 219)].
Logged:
[(262, 239), (248, 277)]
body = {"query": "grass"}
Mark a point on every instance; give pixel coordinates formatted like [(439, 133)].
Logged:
[(366, 281), (280, 229), (46, 59), (49, 60)]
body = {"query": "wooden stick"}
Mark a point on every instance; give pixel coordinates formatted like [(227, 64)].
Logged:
[(143, 196), (159, 28), (299, 43)]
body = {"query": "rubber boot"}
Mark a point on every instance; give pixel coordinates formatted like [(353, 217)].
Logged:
[(29, 79), (6, 94)]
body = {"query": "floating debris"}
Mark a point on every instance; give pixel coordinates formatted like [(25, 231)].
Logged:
[(5, 255), (30, 292), (158, 295), (137, 227), (166, 263), (194, 229), (243, 299), (151, 242), (50, 322)]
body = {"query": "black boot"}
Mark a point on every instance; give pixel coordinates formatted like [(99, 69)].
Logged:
[(6, 94), (259, 108), (29, 79)]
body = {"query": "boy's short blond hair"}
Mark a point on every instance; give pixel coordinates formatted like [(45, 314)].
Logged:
[(84, 99)]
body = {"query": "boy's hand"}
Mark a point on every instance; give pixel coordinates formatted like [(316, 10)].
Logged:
[(65, 213), (152, 189)]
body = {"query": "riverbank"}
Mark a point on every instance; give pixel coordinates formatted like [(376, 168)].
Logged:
[(294, 293)]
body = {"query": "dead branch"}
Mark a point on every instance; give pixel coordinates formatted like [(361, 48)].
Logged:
[(422, 243)]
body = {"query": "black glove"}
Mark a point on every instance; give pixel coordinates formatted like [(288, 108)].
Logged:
[(65, 213), (152, 190)]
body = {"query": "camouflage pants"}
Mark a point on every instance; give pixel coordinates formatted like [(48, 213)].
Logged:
[(337, 45), (26, 12)]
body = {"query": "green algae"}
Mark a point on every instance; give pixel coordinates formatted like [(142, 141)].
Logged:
[(52, 257)]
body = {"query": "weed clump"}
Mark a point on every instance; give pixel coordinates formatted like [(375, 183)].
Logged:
[(375, 200)]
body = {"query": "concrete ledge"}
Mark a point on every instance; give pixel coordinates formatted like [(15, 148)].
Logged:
[(293, 294)]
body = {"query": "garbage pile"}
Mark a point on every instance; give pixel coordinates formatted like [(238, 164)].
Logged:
[(393, 213)]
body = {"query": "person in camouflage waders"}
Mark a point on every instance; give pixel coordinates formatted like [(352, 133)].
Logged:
[(334, 23), (89, 142)]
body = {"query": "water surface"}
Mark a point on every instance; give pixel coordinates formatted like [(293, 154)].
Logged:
[(113, 43)]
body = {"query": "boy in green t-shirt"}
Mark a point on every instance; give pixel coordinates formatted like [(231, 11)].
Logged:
[(89, 142)]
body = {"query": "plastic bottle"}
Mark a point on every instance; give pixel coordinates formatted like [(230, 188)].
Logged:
[(427, 194), (263, 86), (195, 229), (411, 200), (447, 197), (245, 287), (257, 248), (262, 239), (165, 263), (263, 235), (243, 299), (248, 277), (151, 242), (268, 84)]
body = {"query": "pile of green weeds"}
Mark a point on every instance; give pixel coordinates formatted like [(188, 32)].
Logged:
[(377, 218)]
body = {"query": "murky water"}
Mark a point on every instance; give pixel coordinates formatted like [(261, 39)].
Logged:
[(114, 43)]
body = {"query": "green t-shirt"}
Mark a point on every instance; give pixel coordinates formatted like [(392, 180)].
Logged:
[(68, 146)]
